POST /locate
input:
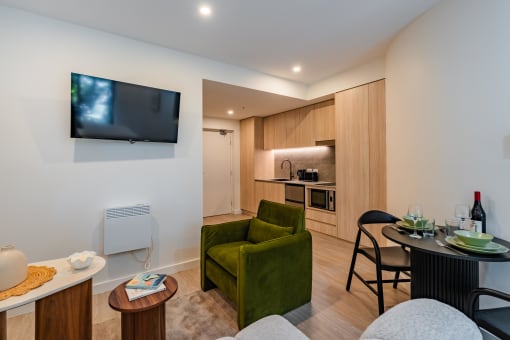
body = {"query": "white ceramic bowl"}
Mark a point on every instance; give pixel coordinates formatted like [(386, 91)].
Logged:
[(81, 260)]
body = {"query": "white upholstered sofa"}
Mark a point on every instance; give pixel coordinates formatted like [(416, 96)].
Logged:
[(271, 327), (418, 319), (422, 319)]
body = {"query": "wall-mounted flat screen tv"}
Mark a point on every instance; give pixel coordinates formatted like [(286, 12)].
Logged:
[(108, 109)]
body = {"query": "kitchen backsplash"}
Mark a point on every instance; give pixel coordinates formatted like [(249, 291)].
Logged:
[(321, 158)]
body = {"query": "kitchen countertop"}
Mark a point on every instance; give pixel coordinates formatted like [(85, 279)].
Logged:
[(295, 181)]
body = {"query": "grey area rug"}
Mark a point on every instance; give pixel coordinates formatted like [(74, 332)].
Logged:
[(196, 316), (200, 315)]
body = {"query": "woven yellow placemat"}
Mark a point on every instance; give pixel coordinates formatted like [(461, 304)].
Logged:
[(37, 276)]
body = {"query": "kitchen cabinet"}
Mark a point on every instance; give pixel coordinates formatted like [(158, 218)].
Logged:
[(324, 119), (280, 131), (269, 131), (269, 191), (360, 155), (290, 119), (299, 131), (305, 126), (300, 127), (255, 161), (377, 144), (322, 221)]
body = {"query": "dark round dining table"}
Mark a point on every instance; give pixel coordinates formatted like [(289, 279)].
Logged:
[(442, 273)]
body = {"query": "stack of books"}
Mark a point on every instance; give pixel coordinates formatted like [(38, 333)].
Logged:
[(145, 284)]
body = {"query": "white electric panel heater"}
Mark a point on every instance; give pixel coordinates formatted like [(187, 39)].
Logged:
[(127, 228)]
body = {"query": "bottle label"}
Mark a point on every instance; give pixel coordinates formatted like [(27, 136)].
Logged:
[(478, 226), (467, 224)]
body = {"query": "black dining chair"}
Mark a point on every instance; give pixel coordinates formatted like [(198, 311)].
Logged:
[(393, 259), (494, 320)]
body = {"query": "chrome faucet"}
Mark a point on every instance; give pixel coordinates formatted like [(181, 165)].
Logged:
[(291, 175)]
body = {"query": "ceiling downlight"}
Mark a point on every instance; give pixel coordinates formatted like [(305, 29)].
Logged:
[(205, 10)]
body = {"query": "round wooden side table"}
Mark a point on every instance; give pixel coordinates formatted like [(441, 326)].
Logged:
[(143, 318)]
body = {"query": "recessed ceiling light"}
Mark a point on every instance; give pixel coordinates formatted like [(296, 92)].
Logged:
[(230, 112), (296, 69), (205, 10)]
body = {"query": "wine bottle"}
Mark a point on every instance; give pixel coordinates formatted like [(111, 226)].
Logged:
[(478, 214)]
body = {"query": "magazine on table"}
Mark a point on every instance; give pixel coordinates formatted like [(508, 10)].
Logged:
[(146, 281), (133, 293)]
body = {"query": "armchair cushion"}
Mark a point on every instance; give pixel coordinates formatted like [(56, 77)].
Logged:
[(227, 255), (261, 231), (282, 215)]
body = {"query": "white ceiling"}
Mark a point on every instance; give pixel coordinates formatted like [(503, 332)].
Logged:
[(324, 36), (220, 97)]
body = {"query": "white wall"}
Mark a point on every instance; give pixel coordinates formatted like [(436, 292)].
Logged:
[(229, 124), (448, 120), (363, 74), (447, 82), (54, 188)]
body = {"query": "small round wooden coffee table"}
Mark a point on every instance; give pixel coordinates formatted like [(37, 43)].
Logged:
[(143, 318)]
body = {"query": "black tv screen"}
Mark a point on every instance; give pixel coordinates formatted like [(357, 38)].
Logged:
[(108, 109)]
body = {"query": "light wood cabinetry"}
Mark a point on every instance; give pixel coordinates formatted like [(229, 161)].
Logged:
[(280, 132), (324, 121), (247, 166), (290, 138), (322, 221), (300, 127), (269, 132), (305, 126), (377, 144), (255, 161), (352, 157), (269, 191), (360, 155), (356, 120)]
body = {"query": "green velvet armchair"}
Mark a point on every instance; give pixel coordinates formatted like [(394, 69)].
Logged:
[(263, 264)]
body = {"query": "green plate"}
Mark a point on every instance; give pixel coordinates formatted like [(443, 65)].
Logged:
[(405, 225), (489, 248)]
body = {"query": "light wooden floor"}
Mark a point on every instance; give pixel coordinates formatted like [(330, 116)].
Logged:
[(333, 313)]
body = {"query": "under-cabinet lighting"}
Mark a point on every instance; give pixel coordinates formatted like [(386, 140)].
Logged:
[(305, 149)]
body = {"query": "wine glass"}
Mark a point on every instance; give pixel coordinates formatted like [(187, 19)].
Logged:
[(462, 213), (416, 213)]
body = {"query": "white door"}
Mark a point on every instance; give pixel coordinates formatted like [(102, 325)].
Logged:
[(217, 173)]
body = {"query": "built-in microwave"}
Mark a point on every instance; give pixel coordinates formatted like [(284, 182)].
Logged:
[(322, 199)]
